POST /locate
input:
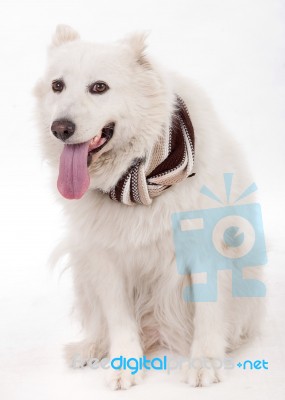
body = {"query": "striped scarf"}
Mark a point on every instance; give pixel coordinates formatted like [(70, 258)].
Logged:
[(170, 161)]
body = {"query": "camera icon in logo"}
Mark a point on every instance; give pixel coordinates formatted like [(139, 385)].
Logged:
[(223, 238)]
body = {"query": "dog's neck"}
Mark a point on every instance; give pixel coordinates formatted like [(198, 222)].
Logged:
[(168, 161), (111, 166)]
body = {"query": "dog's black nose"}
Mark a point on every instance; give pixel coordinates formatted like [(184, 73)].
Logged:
[(63, 129)]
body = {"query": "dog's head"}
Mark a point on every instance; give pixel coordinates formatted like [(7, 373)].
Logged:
[(100, 106)]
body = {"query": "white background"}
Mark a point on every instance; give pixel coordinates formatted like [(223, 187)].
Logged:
[(235, 50)]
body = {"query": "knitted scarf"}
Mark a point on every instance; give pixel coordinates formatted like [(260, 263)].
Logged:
[(170, 161)]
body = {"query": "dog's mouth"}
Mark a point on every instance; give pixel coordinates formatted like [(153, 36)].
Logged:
[(73, 179), (98, 142)]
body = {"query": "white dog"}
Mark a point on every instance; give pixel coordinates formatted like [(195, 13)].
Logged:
[(121, 136)]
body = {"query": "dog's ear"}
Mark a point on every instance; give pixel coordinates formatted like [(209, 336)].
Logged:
[(137, 42), (63, 34)]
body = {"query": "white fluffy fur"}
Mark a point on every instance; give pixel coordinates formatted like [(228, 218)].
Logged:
[(128, 290)]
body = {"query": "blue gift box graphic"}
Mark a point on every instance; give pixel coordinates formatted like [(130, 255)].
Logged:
[(223, 238)]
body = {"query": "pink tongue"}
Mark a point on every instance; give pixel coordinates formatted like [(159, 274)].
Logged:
[(73, 179)]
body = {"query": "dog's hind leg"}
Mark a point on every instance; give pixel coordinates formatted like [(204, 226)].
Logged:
[(88, 311), (96, 342)]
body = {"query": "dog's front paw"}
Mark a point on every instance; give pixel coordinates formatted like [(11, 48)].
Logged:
[(123, 379), (202, 374)]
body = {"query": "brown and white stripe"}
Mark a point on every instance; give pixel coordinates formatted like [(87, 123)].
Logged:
[(170, 161)]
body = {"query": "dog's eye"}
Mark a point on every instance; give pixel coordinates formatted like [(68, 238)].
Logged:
[(57, 86), (98, 87)]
